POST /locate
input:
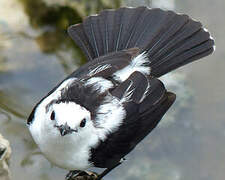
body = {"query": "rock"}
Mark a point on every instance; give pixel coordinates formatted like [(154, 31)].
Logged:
[(5, 153)]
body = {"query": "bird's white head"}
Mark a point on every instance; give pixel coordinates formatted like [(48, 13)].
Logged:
[(59, 116), (61, 126), (62, 118)]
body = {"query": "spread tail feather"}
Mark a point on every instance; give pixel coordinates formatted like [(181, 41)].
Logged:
[(169, 39)]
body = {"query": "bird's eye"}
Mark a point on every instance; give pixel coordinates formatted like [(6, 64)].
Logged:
[(52, 117), (83, 122)]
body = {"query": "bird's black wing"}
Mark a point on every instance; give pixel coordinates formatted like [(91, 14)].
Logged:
[(145, 107)]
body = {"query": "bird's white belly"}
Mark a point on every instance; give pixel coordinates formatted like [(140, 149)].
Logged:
[(64, 152)]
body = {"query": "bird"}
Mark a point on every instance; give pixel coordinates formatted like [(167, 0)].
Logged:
[(99, 113)]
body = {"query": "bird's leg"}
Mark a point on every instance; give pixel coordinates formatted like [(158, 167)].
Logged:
[(74, 173), (105, 172)]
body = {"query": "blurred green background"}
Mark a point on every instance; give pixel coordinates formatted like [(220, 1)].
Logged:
[(36, 53)]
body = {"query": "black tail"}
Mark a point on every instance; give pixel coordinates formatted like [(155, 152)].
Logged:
[(170, 40)]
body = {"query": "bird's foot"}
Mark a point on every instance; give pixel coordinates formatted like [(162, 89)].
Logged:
[(81, 175), (72, 174)]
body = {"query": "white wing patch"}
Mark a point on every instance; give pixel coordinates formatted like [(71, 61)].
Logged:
[(100, 84), (145, 93), (137, 64), (128, 93), (99, 69), (110, 116)]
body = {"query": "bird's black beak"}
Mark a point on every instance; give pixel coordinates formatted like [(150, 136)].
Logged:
[(65, 129)]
